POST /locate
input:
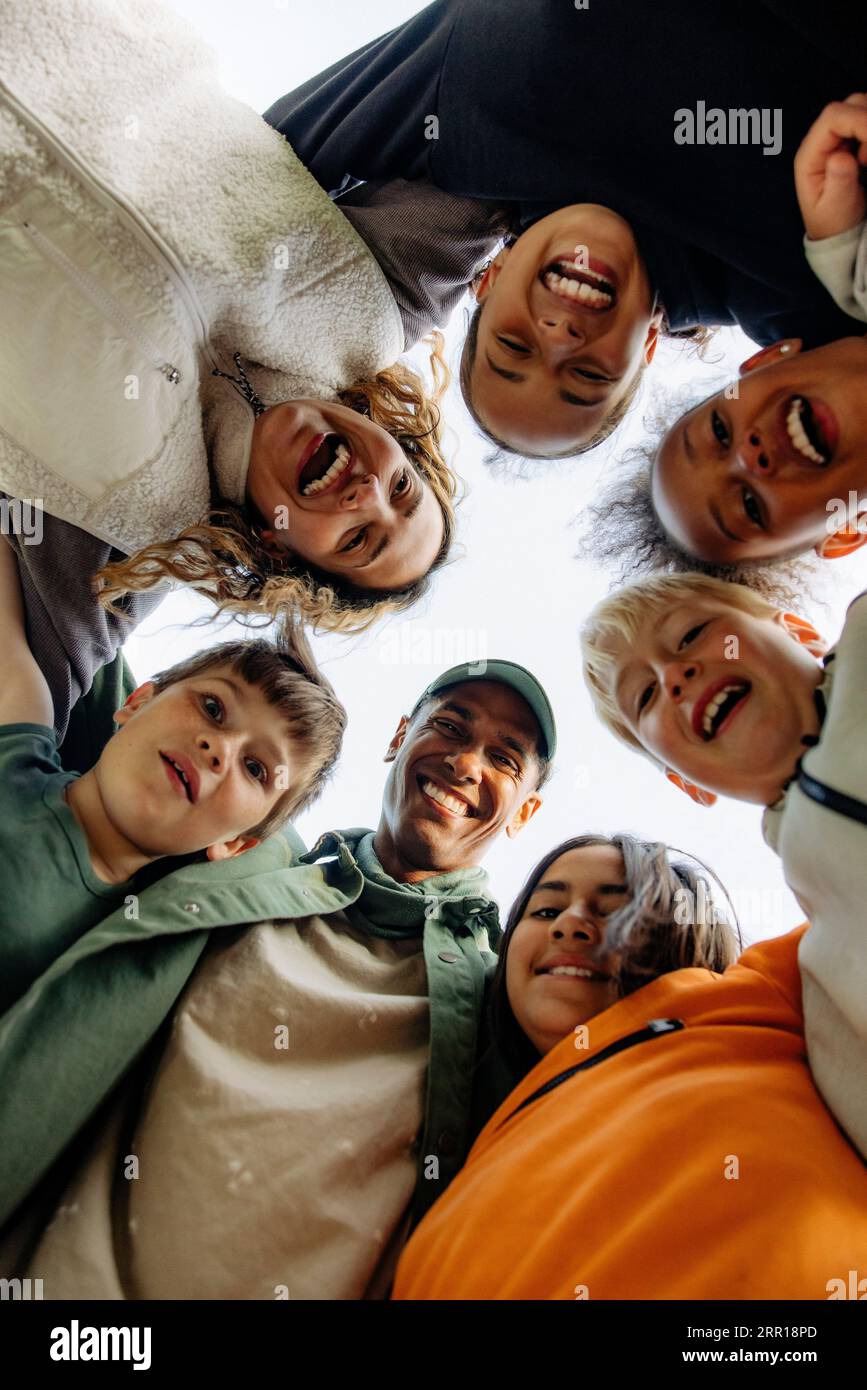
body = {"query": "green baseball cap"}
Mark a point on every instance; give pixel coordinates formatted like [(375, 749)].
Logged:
[(507, 673)]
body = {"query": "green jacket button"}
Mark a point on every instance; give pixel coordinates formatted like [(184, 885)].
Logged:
[(449, 957)]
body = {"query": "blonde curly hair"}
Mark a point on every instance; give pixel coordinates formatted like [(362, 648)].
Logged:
[(223, 558)]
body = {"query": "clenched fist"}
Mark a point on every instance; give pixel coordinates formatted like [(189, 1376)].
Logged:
[(830, 169)]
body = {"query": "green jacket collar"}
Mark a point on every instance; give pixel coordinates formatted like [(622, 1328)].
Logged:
[(457, 899)]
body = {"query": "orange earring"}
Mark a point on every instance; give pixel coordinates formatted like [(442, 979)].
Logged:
[(806, 634), (841, 543), (697, 794)]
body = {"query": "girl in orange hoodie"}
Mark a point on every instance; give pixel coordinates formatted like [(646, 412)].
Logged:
[(667, 1140)]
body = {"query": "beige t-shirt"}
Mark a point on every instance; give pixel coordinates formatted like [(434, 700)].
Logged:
[(274, 1146)]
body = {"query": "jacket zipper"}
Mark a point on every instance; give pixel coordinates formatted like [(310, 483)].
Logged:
[(146, 235), (655, 1028), (105, 302)]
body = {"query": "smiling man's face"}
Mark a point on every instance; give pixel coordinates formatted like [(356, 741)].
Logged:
[(721, 696), (748, 476), (464, 768)]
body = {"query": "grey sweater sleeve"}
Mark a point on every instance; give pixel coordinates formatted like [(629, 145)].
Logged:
[(429, 244), (70, 634)]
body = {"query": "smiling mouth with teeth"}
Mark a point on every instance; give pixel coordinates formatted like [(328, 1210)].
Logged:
[(180, 772), (720, 706), (805, 432), (578, 972), (585, 288), (325, 466), (453, 804)]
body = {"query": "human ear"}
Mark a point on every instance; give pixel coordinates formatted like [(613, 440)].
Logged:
[(230, 849), (843, 542), (482, 287), (803, 632), (774, 352), (651, 342), (142, 695), (277, 553), (397, 740), (525, 813), (696, 794)]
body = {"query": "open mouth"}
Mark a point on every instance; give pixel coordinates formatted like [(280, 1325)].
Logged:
[(446, 801), (808, 432), (718, 707), (178, 776), (323, 468), (580, 288), (576, 972)]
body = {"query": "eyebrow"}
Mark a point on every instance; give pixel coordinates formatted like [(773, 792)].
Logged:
[(271, 748), (374, 554), (566, 396), (472, 718), (720, 524), (386, 540), (628, 670), (501, 371), (619, 696)]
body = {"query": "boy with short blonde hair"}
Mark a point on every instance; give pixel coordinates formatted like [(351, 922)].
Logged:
[(728, 694), (623, 615)]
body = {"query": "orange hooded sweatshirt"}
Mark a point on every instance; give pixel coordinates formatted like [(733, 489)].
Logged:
[(693, 1160)]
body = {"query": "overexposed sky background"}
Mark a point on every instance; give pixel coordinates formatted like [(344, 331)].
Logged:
[(516, 591)]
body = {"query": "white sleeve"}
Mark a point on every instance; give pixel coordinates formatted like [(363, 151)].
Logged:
[(823, 846), (840, 262)]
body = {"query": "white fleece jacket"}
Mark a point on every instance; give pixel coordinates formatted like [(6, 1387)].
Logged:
[(150, 227)]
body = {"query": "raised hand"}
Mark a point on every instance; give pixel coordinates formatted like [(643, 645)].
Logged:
[(830, 166)]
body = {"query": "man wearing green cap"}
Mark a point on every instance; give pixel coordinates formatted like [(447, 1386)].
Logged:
[(327, 1066)]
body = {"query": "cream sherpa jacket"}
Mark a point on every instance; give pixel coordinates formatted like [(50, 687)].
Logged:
[(150, 227)]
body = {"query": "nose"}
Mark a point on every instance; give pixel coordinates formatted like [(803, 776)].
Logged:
[(677, 678), (465, 766), (363, 493), (575, 924), (213, 749), (559, 334), (755, 456)]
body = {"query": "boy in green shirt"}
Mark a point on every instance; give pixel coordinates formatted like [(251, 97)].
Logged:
[(210, 757)]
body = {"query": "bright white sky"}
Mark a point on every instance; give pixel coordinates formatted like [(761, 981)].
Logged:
[(515, 592)]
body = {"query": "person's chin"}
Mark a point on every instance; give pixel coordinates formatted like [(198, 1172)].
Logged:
[(429, 843)]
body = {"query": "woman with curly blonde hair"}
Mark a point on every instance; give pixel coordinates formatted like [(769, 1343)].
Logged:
[(365, 512), (136, 271)]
